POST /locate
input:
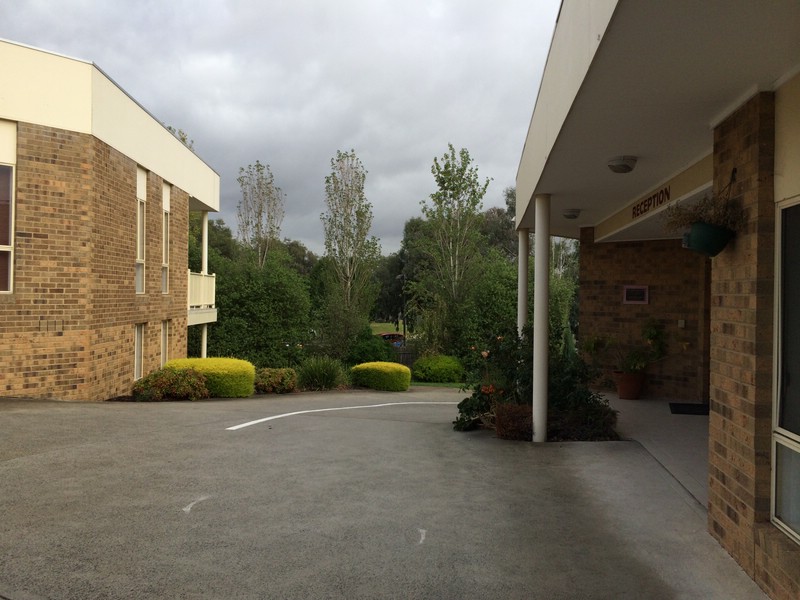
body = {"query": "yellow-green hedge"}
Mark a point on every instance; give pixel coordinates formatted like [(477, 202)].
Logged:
[(386, 376), (225, 377)]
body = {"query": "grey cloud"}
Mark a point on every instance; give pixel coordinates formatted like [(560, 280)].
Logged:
[(289, 83)]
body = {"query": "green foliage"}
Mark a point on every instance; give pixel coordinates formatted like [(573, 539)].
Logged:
[(171, 384), (275, 381), (505, 374), (321, 373), (438, 368), (260, 211), (385, 376), (225, 377), (369, 348), (450, 248), (349, 287), (263, 312)]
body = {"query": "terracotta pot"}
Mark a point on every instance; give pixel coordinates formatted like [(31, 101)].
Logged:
[(629, 385)]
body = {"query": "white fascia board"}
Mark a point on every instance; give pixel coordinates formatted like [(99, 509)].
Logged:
[(576, 38), (122, 123)]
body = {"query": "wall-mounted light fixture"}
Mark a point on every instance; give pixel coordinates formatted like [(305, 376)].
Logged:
[(622, 164), (571, 213)]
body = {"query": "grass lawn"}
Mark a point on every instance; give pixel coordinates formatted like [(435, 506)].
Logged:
[(385, 328)]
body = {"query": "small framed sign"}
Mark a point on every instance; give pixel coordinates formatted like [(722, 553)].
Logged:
[(635, 294)]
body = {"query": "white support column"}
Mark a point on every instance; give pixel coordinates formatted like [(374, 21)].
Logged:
[(541, 301), (204, 267), (522, 279), (203, 340)]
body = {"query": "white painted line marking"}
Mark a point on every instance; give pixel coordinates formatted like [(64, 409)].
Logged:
[(317, 410), (189, 506), (422, 533)]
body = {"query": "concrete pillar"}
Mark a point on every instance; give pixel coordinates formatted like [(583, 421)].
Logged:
[(522, 279), (204, 340), (541, 301)]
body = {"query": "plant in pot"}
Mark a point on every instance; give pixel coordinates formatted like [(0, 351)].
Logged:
[(631, 374), (712, 222)]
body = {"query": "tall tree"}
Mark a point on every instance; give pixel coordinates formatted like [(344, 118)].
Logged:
[(454, 214), (353, 253), (451, 250), (260, 210)]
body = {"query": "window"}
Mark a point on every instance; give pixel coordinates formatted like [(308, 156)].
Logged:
[(786, 418), (165, 239), (164, 342), (141, 202), (6, 228), (138, 350)]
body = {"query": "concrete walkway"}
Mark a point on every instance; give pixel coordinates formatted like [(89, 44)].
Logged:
[(121, 500)]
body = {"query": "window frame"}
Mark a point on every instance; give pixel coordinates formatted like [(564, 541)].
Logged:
[(9, 248), (166, 191), (165, 327), (141, 231), (139, 330), (787, 439)]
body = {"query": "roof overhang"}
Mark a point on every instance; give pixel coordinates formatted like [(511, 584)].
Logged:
[(649, 79)]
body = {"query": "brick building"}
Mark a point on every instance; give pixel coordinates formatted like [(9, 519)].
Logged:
[(684, 100), (95, 196)]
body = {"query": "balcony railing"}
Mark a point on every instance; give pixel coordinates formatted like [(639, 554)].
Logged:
[(202, 291)]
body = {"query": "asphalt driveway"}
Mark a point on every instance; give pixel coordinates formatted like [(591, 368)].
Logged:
[(123, 500)]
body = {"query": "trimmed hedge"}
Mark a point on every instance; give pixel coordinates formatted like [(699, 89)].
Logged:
[(386, 376), (169, 384), (438, 368), (225, 377), (275, 381)]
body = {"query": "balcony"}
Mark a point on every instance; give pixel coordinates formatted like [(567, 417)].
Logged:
[(202, 298)]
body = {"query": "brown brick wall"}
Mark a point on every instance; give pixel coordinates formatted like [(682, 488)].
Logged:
[(677, 280), (742, 304), (69, 325), (42, 324)]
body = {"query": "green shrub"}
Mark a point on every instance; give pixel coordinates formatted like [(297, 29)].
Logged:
[(225, 377), (321, 373), (369, 348), (438, 368), (504, 371), (386, 376), (275, 381), (513, 421), (168, 384)]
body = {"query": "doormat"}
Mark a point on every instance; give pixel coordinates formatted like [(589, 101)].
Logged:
[(688, 408)]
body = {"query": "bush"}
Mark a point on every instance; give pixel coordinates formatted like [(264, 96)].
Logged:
[(168, 384), (275, 381), (225, 377), (369, 348), (386, 376), (321, 373), (438, 368), (574, 411), (513, 421)]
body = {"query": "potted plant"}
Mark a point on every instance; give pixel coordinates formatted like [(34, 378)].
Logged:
[(632, 366), (712, 222)]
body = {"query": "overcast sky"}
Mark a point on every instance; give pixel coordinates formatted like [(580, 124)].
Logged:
[(289, 82)]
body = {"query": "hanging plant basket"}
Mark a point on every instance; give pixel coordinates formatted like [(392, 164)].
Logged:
[(707, 239), (713, 221)]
